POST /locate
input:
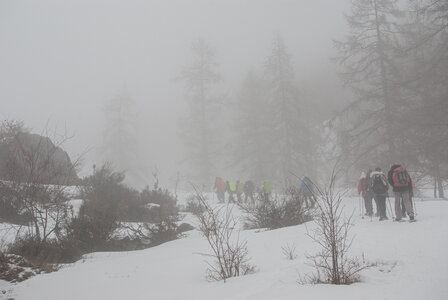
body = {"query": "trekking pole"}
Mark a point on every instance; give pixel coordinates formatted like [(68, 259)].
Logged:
[(413, 206), (390, 208)]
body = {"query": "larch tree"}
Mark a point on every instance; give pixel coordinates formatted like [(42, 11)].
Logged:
[(285, 121), (425, 73), (367, 56), (198, 128), (120, 145), (252, 131)]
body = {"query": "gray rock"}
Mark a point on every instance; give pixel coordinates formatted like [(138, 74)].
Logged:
[(32, 157)]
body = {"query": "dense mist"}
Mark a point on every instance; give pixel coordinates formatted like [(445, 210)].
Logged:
[(189, 90), (61, 62)]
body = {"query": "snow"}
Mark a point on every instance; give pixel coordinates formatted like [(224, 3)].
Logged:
[(410, 259)]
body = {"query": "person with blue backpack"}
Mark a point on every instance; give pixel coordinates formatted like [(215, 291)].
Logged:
[(401, 183), (379, 187), (306, 190)]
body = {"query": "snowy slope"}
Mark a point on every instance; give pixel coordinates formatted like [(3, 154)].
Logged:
[(412, 264)]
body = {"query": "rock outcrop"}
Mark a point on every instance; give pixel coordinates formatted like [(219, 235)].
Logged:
[(28, 157)]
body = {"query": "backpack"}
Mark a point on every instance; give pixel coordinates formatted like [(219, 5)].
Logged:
[(249, 187), (400, 177), (379, 185), (232, 186)]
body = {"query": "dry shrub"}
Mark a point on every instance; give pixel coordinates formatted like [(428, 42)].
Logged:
[(276, 212), (229, 252), (331, 263)]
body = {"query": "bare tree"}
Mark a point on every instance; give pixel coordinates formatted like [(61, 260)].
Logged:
[(332, 263), (229, 252)]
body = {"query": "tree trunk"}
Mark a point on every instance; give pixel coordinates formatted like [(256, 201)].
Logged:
[(385, 88)]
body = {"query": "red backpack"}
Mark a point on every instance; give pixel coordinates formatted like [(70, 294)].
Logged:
[(400, 177)]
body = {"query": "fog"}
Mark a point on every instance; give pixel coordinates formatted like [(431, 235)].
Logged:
[(61, 61)]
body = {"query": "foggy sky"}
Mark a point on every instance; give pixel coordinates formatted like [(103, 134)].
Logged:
[(60, 61)]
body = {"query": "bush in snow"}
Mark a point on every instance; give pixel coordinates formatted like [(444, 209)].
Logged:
[(194, 205), (276, 212), (289, 250), (161, 203), (110, 205), (332, 263), (45, 253), (14, 268), (12, 209), (230, 254)]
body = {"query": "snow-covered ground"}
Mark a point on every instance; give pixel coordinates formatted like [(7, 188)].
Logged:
[(412, 263)]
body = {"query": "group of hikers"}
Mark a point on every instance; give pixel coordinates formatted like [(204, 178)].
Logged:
[(375, 185), (237, 188), (249, 189)]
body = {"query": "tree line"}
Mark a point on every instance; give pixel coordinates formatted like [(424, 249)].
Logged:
[(394, 59)]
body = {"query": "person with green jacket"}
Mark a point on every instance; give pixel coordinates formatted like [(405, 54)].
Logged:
[(267, 189), (231, 189)]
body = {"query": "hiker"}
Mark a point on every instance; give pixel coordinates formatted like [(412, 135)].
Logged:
[(239, 190), (364, 190), (401, 183), (379, 188), (220, 187), (306, 190), (231, 189), (249, 188), (267, 190), (411, 195)]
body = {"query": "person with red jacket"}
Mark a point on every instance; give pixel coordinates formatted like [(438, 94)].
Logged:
[(220, 186), (364, 190), (401, 183)]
